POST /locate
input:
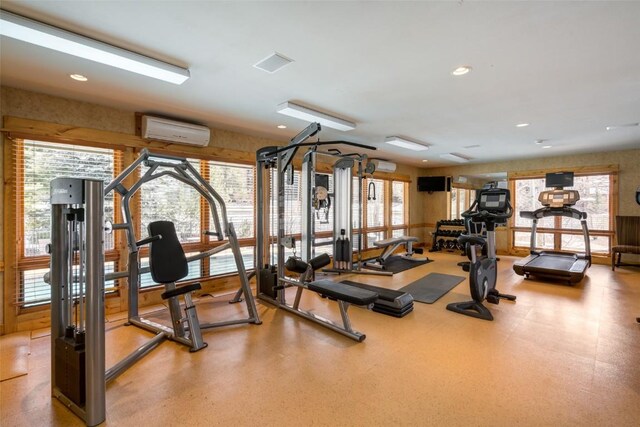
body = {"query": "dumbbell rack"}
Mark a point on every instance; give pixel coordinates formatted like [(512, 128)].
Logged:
[(445, 237)]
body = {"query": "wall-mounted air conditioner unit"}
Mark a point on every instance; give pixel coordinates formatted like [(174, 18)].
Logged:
[(173, 131), (384, 166)]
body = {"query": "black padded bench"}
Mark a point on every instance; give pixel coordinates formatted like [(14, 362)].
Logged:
[(343, 292), (344, 295)]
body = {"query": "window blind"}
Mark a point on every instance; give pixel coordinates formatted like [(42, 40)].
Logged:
[(36, 164)]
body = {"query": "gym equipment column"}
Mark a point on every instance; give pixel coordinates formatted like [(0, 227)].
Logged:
[(77, 280), (342, 213)]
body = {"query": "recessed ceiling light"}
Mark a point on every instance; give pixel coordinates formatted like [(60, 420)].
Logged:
[(282, 127), (405, 143), (425, 160), (546, 146), (461, 71), (78, 77), (522, 125), (626, 125)]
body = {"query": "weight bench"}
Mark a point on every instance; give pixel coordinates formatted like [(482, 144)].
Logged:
[(344, 294), (389, 246)]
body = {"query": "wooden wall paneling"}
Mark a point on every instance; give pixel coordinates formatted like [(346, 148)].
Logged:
[(18, 127), (10, 244)]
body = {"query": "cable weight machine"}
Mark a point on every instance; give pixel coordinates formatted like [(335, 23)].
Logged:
[(274, 179), (77, 295), (77, 277)]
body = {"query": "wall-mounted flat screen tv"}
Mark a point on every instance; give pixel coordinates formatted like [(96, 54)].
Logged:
[(434, 183), (559, 179)]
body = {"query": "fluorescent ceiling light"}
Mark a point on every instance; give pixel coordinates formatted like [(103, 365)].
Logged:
[(309, 115), (627, 125), (27, 30), (454, 157), (404, 143)]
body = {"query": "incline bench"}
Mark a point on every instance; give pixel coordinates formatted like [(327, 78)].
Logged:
[(389, 246)]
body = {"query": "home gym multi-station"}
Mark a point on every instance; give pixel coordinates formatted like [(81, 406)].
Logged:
[(282, 262)]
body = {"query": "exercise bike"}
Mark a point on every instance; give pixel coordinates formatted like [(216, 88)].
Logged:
[(491, 206)]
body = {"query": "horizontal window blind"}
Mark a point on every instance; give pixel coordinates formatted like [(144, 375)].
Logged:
[(36, 164), (235, 184), (40, 162)]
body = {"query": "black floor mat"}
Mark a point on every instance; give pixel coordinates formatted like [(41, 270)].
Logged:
[(432, 287), (397, 264)]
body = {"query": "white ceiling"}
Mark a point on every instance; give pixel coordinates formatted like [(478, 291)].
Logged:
[(568, 68)]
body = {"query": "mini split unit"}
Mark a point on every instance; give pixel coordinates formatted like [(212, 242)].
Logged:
[(173, 131)]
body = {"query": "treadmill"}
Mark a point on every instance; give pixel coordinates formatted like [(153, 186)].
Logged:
[(552, 264)]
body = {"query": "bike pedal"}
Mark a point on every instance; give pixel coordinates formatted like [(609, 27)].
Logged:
[(493, 299)]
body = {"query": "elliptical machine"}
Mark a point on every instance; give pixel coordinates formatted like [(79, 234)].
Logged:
[(491, 206)]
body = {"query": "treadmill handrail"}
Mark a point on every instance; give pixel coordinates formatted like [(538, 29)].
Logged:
[(546, 212)]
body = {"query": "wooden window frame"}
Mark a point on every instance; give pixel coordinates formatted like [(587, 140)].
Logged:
[(558, 231)]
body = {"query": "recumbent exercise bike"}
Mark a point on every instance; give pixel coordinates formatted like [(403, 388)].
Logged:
[(492, 206)]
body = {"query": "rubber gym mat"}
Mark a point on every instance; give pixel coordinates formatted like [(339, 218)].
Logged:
[(432, 287), (397, 264)]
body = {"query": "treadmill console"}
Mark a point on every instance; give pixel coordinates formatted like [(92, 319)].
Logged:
[(559, 198)]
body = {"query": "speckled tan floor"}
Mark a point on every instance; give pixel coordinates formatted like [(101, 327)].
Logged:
[(558, 356)]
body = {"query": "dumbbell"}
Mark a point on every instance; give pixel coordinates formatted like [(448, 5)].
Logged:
[(440, 244)]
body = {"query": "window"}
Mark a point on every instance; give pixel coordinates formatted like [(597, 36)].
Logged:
[(235, 184), (375, 203), (167, 199), (461, 199), (399, 208), (37, 163), (224, 262), (561, 233)]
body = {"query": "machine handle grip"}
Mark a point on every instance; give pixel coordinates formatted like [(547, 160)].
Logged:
[(472, 240), (148, 240)]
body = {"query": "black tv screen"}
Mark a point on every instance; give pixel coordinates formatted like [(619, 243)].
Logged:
[(559, 179), (434, 183)]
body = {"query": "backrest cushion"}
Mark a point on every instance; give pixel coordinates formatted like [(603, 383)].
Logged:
[(167, 260), (628, 230)]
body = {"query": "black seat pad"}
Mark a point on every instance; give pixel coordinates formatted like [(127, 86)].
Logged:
[(181, 290), (167, 260), (343, 292)]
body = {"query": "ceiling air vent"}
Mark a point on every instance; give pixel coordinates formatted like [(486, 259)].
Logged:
[(273, 63)]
